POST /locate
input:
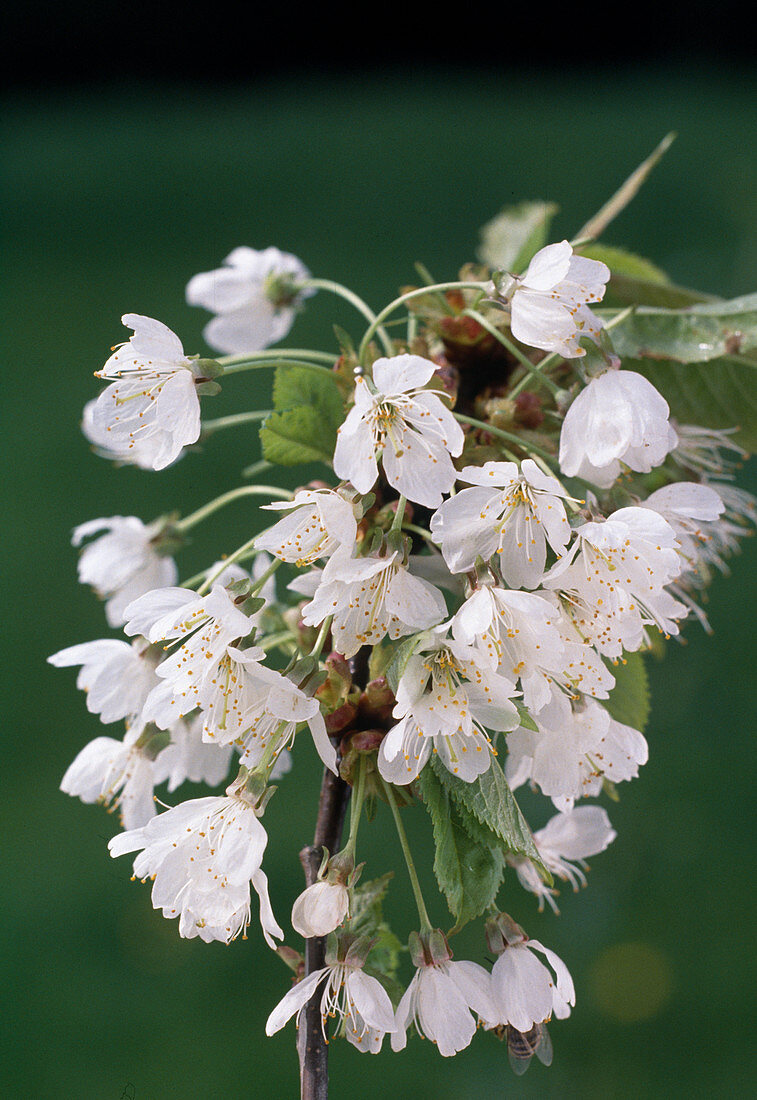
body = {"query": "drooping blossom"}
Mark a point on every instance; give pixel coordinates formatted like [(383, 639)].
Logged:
[(371, 597), (448, 694), (613, 579), (358, 1001), (525, 991), (119, 774), (259, 709), (320, 908), (200, 666), (202, 855), (549, 303), (530, 639), (513, 513), (189, 758), (151, 406), (117, 677), (618, 419), (256, 295), (318, 522), (575, 747), (123, 562), (563, 844), (442, 997), (690, 508), (409, 426)]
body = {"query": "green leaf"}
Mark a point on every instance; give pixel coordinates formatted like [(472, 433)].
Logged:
[(309, 409), (629, 700), (515, 235), (621, 262), (695, 334), (294, 436), (596, 226), (718, 394), (469, 872), (490, 800)]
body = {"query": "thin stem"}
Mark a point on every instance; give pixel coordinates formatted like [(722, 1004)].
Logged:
[(283, 354), (256, 468), (220, 422), (420, 904), (509, 437), (321, 639), (239, 553), (356, 806), (418, 293), (358, 303), (533, 370), (226, 498), (271, 641), (421, 531), (399, 514)]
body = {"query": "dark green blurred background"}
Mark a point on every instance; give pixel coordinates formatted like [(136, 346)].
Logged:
[(115, 197)]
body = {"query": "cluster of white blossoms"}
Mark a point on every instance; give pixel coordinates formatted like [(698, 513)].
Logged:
[(461, 601)]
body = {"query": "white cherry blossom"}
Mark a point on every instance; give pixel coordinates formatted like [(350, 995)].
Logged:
[(189, 758), (318, 522), (259, 709), (371, 597), (549, 303), (690, 508), (122, 562), (441, 1000), (320, 909), (618, 419), (202, 855), (255, 296), (531, 641), (614, 576), (412, 429), (117, 677), (359, 1002), (573, 749), (448, 694), (524, 990), (513, 513), (120, 774), (151, 405), (200, 669), (572, 836)]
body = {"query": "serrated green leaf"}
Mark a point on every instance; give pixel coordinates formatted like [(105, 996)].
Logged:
[(629, 700), (309, 409), (695, 334), (515, 235), (399, 660), (468, 871), (296, 435), (492, 803), (718, 394)]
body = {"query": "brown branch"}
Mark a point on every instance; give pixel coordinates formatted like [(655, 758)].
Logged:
[(311, 1044)]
